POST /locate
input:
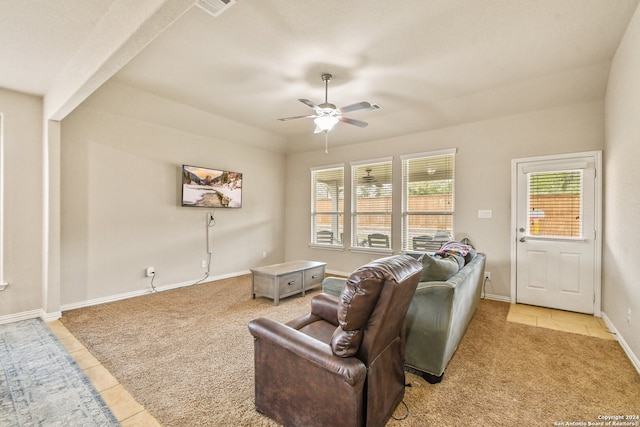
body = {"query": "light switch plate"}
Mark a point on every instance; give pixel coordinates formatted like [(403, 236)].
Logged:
[(484, 213)]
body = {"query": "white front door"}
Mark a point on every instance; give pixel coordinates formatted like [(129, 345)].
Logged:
[(557, 217)]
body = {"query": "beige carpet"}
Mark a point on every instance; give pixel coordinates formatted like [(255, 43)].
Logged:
[(187, 356)]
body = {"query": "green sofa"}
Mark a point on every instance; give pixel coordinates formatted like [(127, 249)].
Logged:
[(438, 316)]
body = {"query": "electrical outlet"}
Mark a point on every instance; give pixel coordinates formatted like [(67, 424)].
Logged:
[(487, 275), (150, 271), (203, 263), (264, 254)]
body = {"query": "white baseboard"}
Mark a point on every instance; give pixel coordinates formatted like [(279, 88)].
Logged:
[(31, 314), (634, 359), (127, 295), (50, 317), (16, 317), (497, 298), (104, 300)]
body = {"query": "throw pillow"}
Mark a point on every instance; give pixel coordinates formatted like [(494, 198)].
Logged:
[(470, 255), (459, 259), (438, 269)]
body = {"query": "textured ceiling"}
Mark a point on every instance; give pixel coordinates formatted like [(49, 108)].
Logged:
[(39, 37), (427, 63)]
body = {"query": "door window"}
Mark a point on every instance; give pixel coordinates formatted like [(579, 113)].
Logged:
[(555, 204)]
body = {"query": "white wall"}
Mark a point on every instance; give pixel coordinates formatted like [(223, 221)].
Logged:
[(120, 208), (483, 163), (621, 269), (23, 202)]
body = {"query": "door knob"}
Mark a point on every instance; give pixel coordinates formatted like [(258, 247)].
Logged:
[(522, 239)]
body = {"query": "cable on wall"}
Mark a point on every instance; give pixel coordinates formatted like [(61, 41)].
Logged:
[(484, 285), (211, 222), (153, 287)]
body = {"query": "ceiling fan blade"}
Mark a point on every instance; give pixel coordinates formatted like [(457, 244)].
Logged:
[(284, 119), (354, 107), (354, 122), (309, 103)]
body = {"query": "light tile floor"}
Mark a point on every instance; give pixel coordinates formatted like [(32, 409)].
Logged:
[(577, 323), (124, 407)]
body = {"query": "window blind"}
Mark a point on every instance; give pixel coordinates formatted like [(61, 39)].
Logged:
[(327, 205), (555, 204), (372, 204), (428, 183)]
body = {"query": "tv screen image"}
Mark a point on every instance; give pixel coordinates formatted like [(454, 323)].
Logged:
[(211, 188)]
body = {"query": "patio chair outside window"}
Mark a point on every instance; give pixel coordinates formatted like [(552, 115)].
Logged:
[(422, 243), (324, 237), (378, 240)]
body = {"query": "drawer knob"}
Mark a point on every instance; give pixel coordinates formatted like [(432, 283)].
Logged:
[(291, 283), (315, 276)]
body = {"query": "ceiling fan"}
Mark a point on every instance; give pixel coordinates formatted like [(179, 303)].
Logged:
[(368, 178), (327, 115)]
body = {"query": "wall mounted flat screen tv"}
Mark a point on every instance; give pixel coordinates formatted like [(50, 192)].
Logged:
[(211, 188)]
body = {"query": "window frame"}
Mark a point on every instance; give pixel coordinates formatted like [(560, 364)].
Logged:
[(439, 237), (357, 245), (337, 223), (555, 212)]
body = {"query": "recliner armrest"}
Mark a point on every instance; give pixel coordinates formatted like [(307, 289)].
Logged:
[(350, 369), (323, 307), (326, 307)]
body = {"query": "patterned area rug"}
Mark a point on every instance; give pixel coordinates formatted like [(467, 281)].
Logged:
[(41, 384)]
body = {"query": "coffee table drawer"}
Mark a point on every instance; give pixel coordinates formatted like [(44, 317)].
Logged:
[(290, 283), (313, 277)]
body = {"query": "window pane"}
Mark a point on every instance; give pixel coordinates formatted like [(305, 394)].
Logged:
[(329, 229), (372, 205), (370, 224), (428, 232), (555, 204), (428, 201), (327, 209)]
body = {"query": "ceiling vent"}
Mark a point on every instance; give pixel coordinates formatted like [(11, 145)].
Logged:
[(215, 7)]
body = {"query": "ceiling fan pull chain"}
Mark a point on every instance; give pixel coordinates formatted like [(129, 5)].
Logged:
[(326, 142)]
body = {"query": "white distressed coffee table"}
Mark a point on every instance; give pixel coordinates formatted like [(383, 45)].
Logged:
[(288, 278)]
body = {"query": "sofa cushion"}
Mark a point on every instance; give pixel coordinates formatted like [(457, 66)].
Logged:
[(438, 269)]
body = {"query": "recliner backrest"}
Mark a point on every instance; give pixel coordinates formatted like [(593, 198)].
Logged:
[(357, 301), (373, 305)]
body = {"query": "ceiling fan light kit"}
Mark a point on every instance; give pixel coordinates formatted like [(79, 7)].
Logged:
[(325, 123), (327, 115)]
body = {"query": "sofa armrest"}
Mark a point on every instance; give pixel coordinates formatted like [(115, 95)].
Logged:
[(439, 315), (431, 309), (333, 285)]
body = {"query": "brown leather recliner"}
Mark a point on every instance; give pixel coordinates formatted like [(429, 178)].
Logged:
[(341, 364)]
